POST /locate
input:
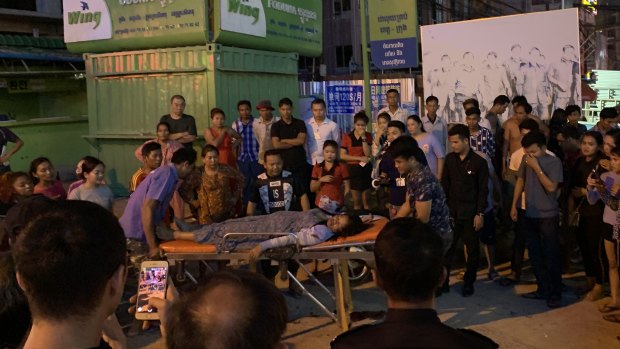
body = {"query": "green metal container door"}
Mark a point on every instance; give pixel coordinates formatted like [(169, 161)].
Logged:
[(129, 91)]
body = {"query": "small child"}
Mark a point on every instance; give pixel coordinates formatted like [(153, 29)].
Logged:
[(92, 190), (44, 178), (328, 179)]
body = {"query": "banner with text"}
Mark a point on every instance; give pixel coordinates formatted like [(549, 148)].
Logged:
[(273, 25), (116, 25), (393, 28)]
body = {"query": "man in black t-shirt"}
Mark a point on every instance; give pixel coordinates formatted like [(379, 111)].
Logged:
[(182, 126), (409, 267), (288, 135)]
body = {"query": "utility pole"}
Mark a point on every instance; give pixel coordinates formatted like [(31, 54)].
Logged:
[(365, 62)]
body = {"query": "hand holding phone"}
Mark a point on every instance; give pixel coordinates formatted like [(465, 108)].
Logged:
[(152, 283)]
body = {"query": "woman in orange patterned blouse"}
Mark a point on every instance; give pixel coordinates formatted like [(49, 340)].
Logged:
[(220, 189)]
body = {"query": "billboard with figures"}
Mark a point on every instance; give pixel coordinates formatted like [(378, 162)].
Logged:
[(535, 55)]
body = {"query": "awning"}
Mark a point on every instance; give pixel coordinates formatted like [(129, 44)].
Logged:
[(37, 54), (30, 48), (587, 93)]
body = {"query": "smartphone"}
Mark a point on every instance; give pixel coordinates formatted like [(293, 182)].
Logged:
[(595, 174), (152, 282)]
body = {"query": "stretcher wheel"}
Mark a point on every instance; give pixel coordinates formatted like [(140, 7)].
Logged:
[(359, 272), (180, 271)]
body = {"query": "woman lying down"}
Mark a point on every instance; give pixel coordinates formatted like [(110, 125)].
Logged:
[(311, 227)]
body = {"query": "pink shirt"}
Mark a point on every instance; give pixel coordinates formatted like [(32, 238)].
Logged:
[(55, 192)]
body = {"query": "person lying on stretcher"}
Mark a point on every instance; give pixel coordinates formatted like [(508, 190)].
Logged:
[(310, 228)]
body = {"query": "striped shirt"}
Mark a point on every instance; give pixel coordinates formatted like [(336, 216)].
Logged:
[(249, 144), (484, 141)]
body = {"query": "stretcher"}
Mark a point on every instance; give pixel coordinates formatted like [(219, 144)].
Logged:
[(339, 252)]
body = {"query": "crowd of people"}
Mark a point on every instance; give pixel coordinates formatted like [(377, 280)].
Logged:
[(438, 183)]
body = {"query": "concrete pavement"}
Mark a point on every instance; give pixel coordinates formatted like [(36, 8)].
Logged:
[(495, 311)]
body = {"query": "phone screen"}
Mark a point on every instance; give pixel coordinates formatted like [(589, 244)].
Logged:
[(152, 284)]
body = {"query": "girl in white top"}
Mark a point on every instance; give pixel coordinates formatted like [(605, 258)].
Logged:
[(92, 190)]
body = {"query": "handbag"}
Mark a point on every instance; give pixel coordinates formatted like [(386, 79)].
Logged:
[(573, 217)]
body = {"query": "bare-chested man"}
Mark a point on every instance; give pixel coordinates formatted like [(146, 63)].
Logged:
[(512, 135)]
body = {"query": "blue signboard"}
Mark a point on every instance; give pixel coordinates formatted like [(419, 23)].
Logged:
[(395, 53), (344, 99)]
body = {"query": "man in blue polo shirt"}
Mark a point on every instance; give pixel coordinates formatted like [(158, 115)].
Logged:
[(147, 206)]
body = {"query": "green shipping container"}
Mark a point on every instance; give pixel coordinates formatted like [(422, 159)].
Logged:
[(129, 91)]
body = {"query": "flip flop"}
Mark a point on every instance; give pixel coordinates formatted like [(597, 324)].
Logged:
[(612, 317), (608, 308)]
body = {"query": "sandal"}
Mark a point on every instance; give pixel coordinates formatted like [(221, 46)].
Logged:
[(612, 317), (493, 275), (504, 281), (608, 308)]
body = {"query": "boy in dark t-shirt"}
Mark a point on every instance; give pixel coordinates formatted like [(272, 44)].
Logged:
[(277, 189)]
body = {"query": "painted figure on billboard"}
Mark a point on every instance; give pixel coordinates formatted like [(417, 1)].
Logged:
[(467, 85), (513, 66), (442, 86), (563, 77), (535, 83), (494, 81)]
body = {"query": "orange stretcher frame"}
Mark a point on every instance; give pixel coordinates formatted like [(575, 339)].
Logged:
[(335, 251)]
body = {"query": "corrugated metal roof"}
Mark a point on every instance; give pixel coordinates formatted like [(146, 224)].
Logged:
[(28, 47), (31, 41), (28, 53)]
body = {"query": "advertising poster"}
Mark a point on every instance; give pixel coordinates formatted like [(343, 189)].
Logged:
[(393, 28), (274, 25), (344, 98), (530, 55), (117, 25)]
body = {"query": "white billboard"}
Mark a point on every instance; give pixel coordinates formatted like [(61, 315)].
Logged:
[(86, 20), (243, 16), (535, 55)]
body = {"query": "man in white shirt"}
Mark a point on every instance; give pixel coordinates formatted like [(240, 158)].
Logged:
[(396, 112), (434, 123), (319, 129)]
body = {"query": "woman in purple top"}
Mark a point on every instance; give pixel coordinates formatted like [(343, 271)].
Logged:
[(428, 143), (607, 189)]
